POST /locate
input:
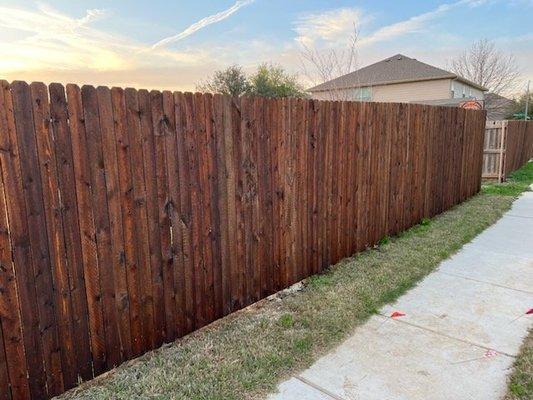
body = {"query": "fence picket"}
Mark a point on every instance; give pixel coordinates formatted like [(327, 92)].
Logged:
[(13, 257), (38, 241)]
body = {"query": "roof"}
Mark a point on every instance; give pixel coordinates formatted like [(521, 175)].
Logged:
[(395, 69), (455, 102), (498, 107)]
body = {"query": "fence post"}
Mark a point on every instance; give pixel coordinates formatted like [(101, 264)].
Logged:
[(501, 171)]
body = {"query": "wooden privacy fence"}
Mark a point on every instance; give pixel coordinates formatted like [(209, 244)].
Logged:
[(508, 146), (130, 218)]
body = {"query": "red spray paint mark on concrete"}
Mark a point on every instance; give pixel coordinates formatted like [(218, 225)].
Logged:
[(397, 314), (490, 353)]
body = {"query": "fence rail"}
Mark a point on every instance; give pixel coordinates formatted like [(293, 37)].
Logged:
[(130, 218), (508, 146)]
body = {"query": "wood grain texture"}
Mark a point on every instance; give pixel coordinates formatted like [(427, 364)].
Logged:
[(130, 218)]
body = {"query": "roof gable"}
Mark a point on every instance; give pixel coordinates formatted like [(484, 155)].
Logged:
[(395, 69)]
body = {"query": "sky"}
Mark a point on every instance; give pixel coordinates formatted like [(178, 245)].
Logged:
[(159, 44)]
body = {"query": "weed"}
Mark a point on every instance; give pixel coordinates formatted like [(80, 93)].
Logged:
[(383, 241), (286, 321)]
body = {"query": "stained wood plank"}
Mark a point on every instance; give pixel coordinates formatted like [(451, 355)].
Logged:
[(214, 128), (314, 149), (160, 122), (196, 214), (203, 130), (46, 159), (218, 153), (125, 197), (102, 223), (5, 389), (172, 166), (116, 230), (185, 218), (42, 265), (71, 227), (249, 198), (87, 228), (239, 273), (12, 255), (140, 128)]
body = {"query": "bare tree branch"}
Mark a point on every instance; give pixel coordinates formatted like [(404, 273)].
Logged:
[(321, 65), (483, 64)]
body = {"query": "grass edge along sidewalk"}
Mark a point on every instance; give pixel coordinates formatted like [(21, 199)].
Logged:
[(520, 383), (521, 380), (245, 355)]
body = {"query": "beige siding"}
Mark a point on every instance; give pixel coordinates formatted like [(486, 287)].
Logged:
[(413, 91), (340, 94), (463, 90), (438, 89)]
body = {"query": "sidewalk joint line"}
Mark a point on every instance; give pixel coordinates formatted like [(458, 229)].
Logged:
[(317, 387), (480, 281), (518, 216), (448, 336), (488, 250)]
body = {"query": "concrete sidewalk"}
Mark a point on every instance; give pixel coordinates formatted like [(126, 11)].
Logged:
[(463, 327)]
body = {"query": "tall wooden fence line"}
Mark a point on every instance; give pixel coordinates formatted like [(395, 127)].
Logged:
[(508, 146), (130, 218)]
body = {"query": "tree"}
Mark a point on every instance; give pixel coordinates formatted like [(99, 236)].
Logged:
[(520, 109), (483, 64), (327, 64), (269, 81), (273, 81), (231, 81)]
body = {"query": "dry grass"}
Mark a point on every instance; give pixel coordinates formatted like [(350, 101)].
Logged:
[(246, 355), (521, 381)]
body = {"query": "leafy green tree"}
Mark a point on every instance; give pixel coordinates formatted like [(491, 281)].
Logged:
[(273, 81), (269, 81), (231, 81), (519, 110)]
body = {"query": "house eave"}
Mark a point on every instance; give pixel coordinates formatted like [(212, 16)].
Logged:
[(394, 82), (385, 83)]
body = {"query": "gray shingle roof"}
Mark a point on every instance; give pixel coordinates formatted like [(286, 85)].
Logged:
[(498, 107), (395, 69)]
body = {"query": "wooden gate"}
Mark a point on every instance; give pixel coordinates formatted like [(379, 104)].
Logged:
[(508, 146), (494, 150)]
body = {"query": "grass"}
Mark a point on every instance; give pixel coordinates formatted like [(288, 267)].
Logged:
[(520, 385), (517, 182), (521, 381), (245, 355)]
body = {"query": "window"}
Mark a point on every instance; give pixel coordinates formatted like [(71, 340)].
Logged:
[(363, 94)]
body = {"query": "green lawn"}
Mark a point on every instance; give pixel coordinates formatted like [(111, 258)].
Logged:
[(521, 381), (245, 355), (517, 182)]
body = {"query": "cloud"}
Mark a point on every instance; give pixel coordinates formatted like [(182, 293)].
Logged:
[(330, 26), (92, 15), (212, 19), (411, 25), (50, 40), (333, 27)]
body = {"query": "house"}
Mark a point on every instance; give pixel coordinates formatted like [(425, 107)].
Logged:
[(498, 107), (400, 79)]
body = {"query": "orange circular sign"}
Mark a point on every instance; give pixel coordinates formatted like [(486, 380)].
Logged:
[(472, 105)]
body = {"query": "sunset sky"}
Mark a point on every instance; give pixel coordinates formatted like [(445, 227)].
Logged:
[(174, 45)]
